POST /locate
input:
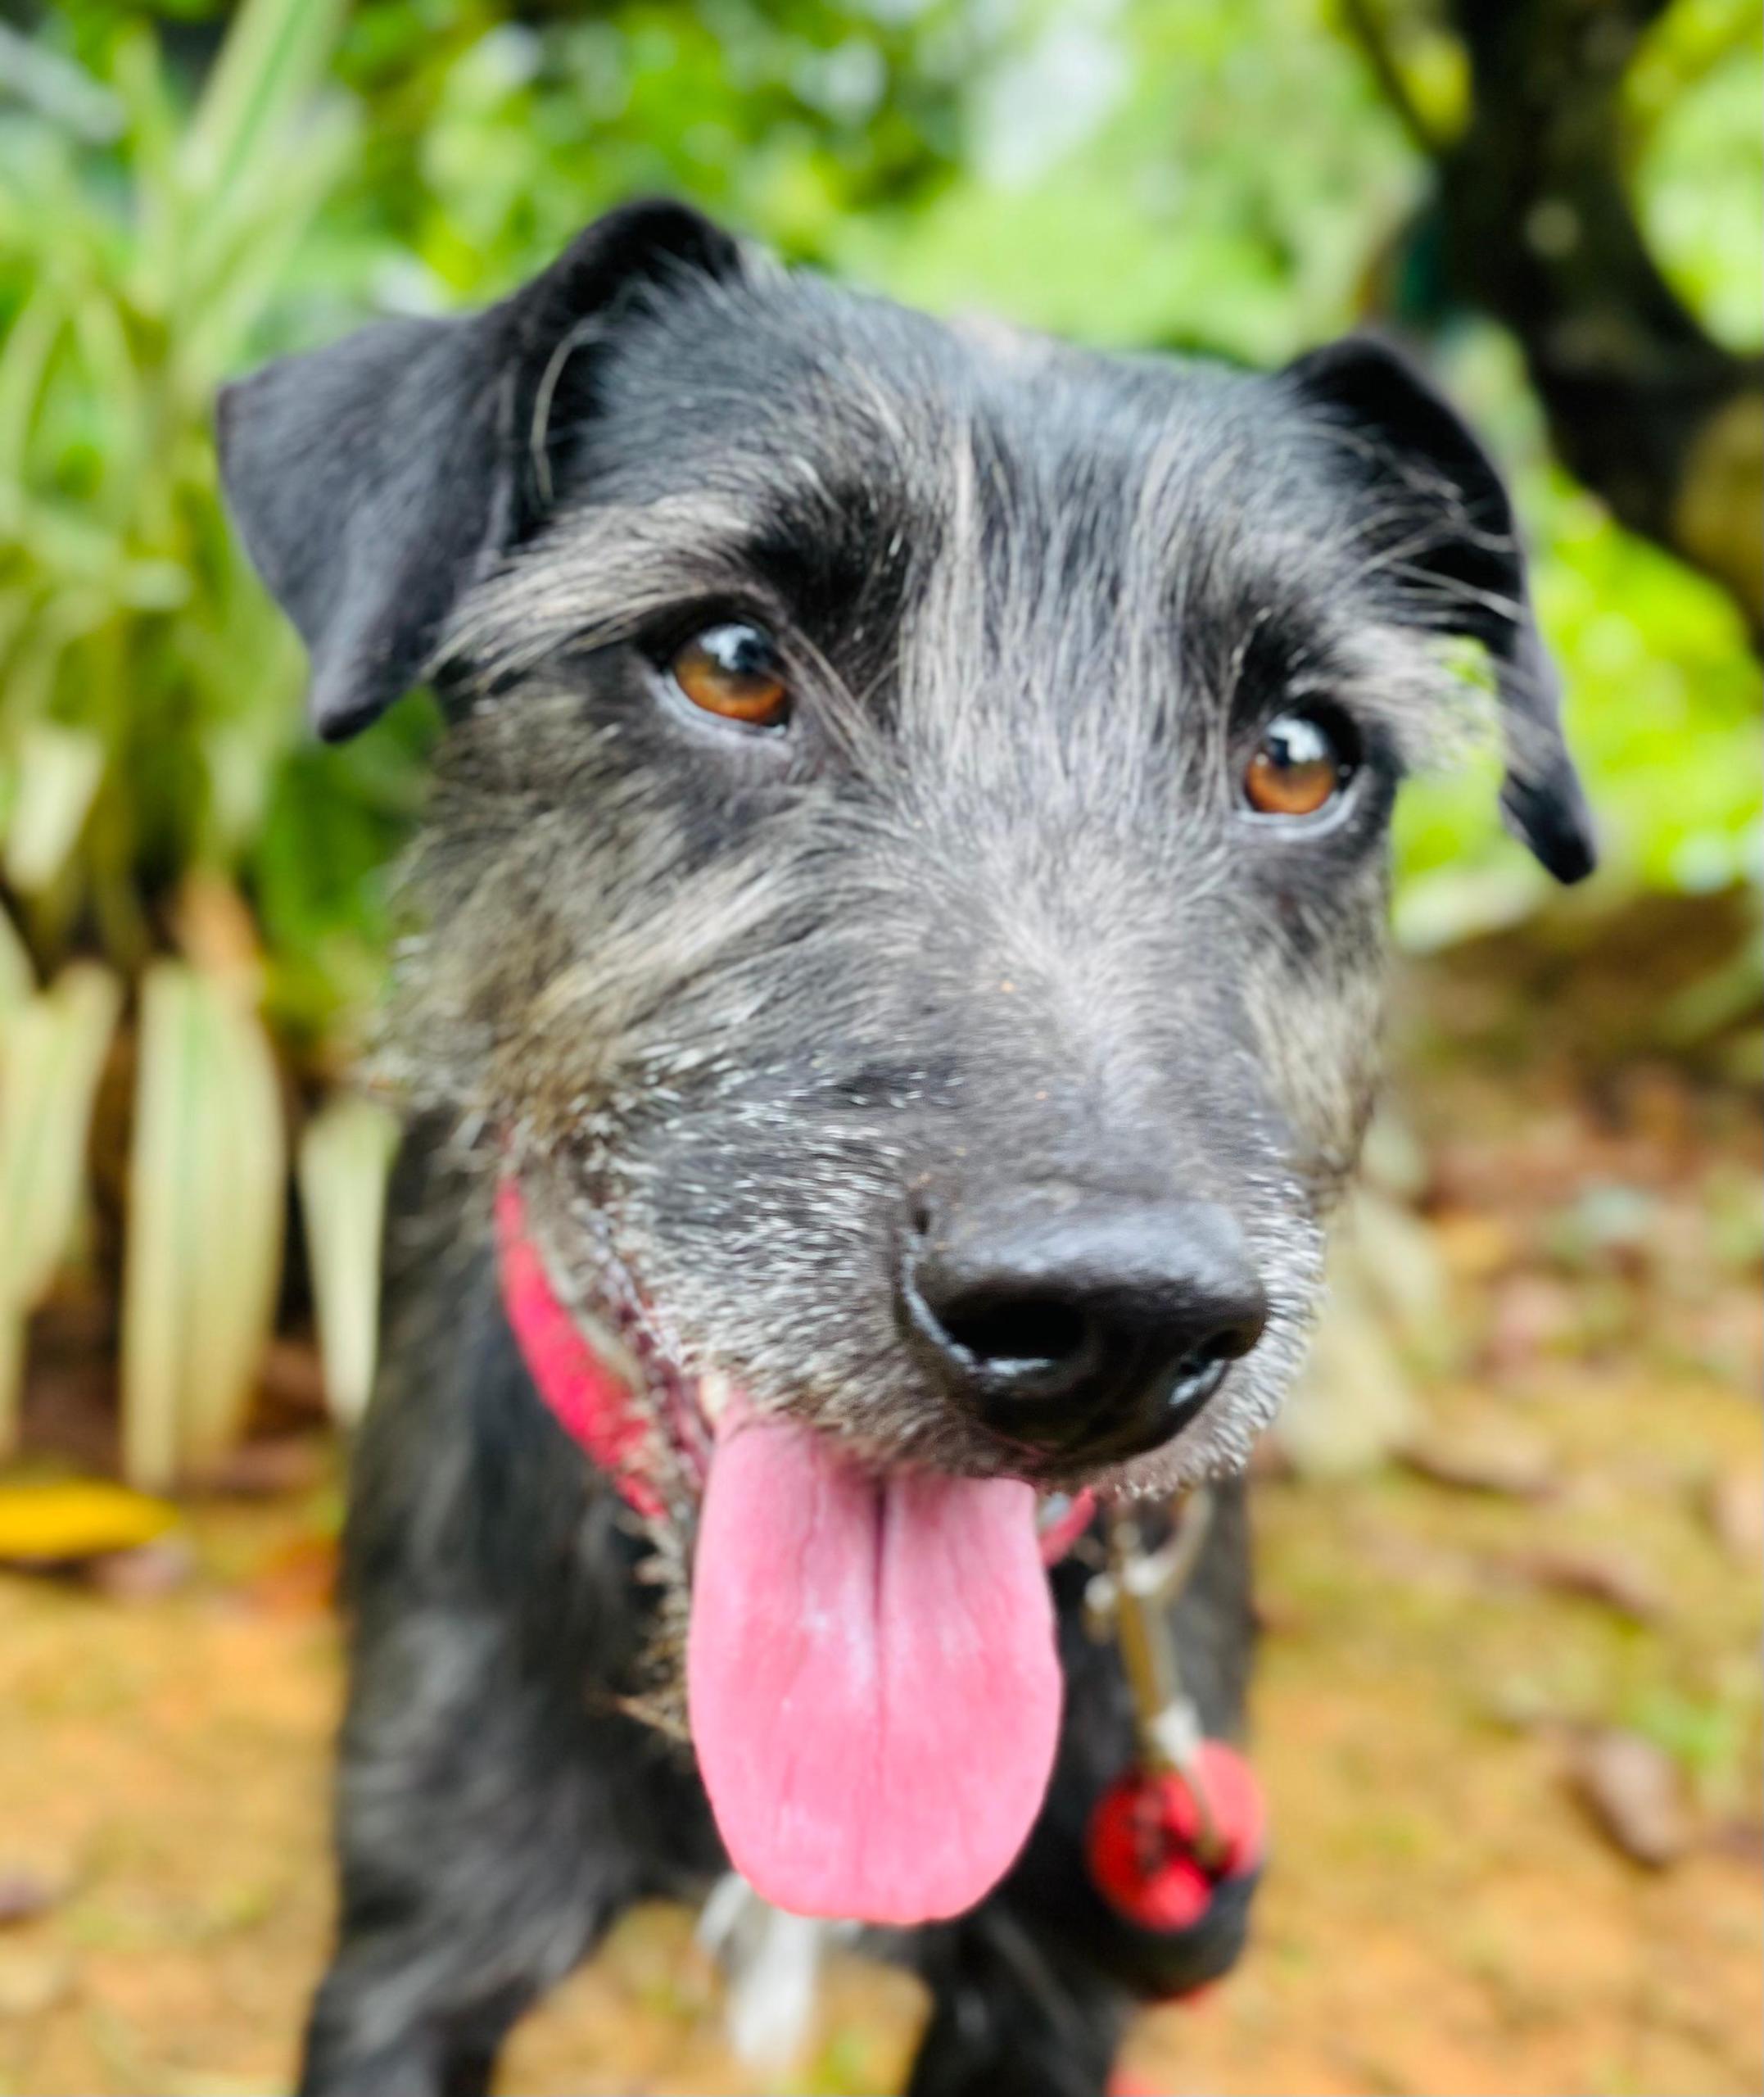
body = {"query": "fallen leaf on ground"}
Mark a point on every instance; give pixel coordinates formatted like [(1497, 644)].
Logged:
[(1400, 1555), (1736, 1514), (1597, 1575), (298, 1580), (1473, 1244), (24, 1894), (1512, 1467), (1631, 1788), (1607, 1224), (1531, 1316), (32, 1982), (1741, 1839), (1280, 1617), (262, 1470), (156, 1569), (67, 1521)]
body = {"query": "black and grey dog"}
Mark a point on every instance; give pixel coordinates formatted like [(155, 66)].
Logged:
[(899, 932)]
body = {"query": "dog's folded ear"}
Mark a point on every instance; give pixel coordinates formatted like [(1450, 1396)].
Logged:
[(371, 480), (1439, 521)]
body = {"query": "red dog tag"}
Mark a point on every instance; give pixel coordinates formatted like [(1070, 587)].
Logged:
[(1150, 1853)]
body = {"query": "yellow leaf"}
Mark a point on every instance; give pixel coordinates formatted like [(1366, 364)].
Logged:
[(74, 1518)]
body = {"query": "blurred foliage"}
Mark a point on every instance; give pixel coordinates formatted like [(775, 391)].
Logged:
[(1693, 106), (185, 189), (1219, 173)]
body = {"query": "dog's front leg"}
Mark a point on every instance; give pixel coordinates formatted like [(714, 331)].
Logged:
[(1012, 2016), (481, 1857), (496, 1810)]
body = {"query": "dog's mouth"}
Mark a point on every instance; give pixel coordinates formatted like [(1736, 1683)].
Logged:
[(872, 1686)]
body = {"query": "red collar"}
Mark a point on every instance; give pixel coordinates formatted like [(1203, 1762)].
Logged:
[(591, 1404)]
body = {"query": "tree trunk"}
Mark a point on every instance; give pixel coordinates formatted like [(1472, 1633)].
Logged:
[(1644, 406)]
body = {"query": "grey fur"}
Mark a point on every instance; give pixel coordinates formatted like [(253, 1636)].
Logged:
[(734, 1006)]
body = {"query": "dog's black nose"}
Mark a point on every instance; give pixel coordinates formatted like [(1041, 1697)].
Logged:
[(1080, 1325)]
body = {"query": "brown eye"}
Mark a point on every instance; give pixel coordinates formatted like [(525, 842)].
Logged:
[(1299, 766), (734, 671)]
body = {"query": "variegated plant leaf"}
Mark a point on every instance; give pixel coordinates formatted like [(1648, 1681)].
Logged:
[(346, 1153), (207, 1185), (53, 1047), (58, 771)]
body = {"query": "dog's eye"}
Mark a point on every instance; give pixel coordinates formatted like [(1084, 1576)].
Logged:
[(734, 671), (1300, 765)]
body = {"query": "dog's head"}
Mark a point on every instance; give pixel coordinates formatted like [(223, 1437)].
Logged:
[(906, 878)]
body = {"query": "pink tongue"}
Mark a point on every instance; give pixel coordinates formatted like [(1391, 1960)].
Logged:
[(874, 1690)]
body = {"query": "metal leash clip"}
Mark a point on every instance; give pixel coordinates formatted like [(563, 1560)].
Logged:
[(1174, 1844), (1132, 1602)]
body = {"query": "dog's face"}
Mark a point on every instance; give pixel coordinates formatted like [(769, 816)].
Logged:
[(906, 878)]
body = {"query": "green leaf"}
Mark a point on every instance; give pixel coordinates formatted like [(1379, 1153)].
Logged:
[(269, 67)]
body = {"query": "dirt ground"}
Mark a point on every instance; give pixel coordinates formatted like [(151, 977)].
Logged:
[(1556, 1549)]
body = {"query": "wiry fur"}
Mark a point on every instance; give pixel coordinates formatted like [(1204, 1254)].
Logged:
[(738, 1006), (1007, 918)]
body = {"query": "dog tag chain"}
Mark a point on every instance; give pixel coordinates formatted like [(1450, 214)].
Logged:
[(1177, 1841)]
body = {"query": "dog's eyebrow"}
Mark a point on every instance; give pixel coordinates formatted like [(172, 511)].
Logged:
[(597, 575), (1262, 615), (1427, 694), (824, 555)]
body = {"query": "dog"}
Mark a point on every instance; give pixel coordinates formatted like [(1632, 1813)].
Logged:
[(891, 999)]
